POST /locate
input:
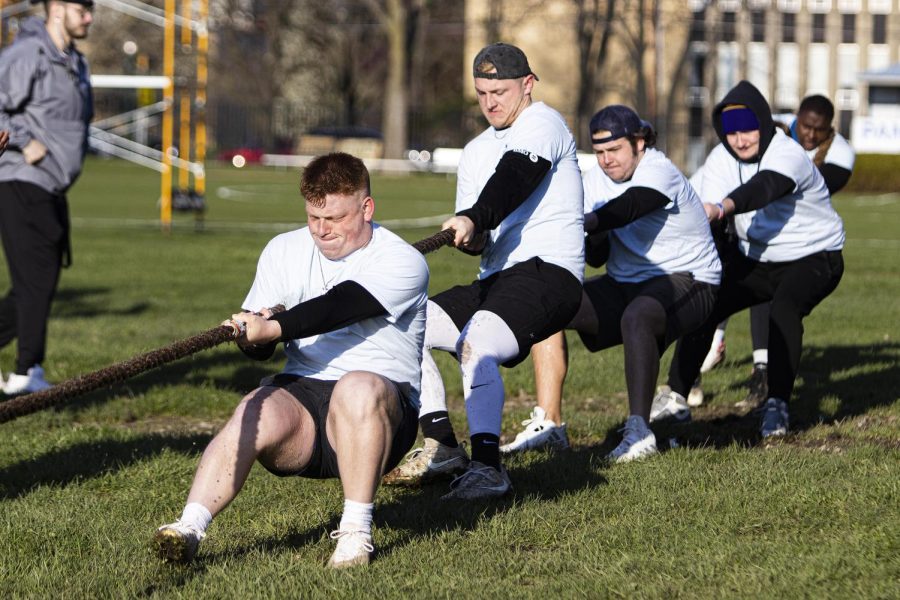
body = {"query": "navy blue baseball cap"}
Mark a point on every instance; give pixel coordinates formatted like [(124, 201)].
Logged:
[(619, 120), (508, 61)]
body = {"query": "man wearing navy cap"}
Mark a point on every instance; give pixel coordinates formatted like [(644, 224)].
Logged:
[(45, 105), (519, 206), (662, 272)]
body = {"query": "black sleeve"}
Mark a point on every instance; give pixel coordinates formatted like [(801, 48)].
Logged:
[(346, 303), (516, 177), (259, 351), (596, 249), (763, 188), (630, 206), (835, 177)]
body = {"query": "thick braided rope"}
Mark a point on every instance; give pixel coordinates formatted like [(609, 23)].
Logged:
[(116, 373)]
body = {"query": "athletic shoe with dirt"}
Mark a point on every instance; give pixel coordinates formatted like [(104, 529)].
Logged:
[(714, 357), (478, 482), (637, 442), (669, 406), (177, 542), (29, 383), (774, 418), (695, 396), (433, 460), (759, 387), (354, 548), (539, 432)]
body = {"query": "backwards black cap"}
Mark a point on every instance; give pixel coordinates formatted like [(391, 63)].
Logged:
[(619, 120), (507, 62)]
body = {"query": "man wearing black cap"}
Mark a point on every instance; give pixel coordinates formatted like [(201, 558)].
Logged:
[(790, 241), (519, 205), (662, 271), (46, 105)]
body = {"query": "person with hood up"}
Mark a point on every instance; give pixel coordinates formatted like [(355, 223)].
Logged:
[(45, 105), (790, 240)]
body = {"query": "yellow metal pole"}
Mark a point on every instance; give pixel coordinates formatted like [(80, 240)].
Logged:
[(200, 135), (165, 205), (184, 112)]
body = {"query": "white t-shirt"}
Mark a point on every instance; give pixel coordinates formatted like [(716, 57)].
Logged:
[(550, 223), (798, 224), (291, 270), (673, 239), (839, 153)]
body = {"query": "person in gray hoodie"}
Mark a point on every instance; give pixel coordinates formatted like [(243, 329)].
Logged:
[(45, 105)]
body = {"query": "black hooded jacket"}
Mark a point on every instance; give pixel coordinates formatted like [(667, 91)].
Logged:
[(766, 186)]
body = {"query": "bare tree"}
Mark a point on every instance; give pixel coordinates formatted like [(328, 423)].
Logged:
[(594, 26), (393, 16)]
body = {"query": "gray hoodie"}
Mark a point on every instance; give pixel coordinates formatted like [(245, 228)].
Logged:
[(45, 95)]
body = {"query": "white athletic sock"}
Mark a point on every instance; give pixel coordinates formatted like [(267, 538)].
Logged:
[(196, 515), (357, 516), (761, 356), (719, 335)]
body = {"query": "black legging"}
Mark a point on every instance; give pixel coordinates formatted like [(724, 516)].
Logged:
[(645, 318), (34, 225), (794, 289)]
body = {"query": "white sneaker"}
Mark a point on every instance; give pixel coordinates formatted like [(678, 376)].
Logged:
[(478, 482), (638, 441), (433, 460), (695, 396), (354, 548), (669, 406), (714, 357), (539, 432), (177, 542), (33, 381)]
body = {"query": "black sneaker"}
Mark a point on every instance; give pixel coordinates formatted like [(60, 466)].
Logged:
[(759, 387)]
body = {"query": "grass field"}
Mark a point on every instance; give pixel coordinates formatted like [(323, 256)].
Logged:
[(719, 515)]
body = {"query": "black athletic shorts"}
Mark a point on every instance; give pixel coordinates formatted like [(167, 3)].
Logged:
[(315, 396), (688, 304), (534, 298)]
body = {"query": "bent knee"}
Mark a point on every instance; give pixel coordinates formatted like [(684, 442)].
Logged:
[(360, 394)]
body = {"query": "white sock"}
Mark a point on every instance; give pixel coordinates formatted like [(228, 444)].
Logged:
[(196, 515), (761, 356), (718, 337), (357, 516)]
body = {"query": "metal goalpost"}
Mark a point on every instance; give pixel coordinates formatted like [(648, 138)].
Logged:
[(190, 158)]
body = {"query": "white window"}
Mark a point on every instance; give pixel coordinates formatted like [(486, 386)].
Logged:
[(846, 99), (758, 4), (758, 66), (847, 65), (696, 5), (729, 5), (727, 67), (879, 57), (819, 6), (789, 6), (817, 80), (880, 7), (787, 84), (849, 6)]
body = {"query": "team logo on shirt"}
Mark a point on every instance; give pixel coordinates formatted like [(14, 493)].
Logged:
[(531, 155)]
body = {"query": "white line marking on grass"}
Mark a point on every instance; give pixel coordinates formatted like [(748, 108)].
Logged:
[(874, 242), (113, 223), (253, 193), (879, 200)]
